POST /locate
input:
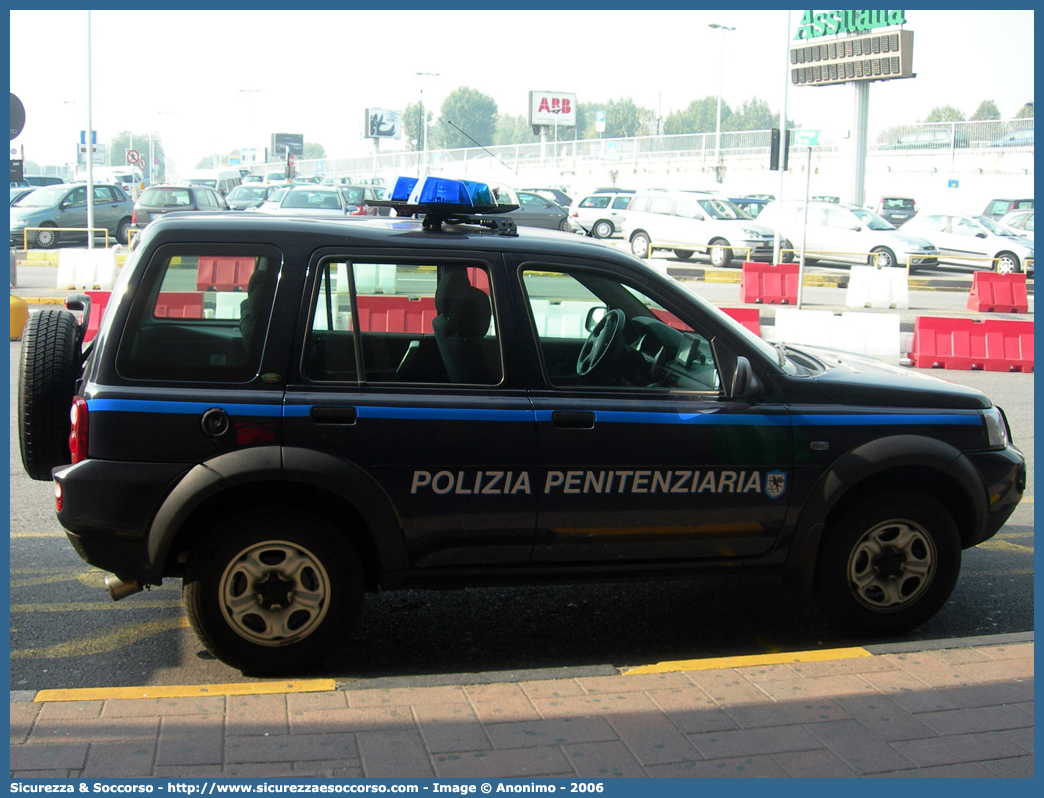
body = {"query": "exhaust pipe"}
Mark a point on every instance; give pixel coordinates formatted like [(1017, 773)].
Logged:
[(119, 589)]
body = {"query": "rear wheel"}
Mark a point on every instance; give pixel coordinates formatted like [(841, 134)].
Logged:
[(46, 383), (684, 254), (123, 231), (888, 564), (273, 591), (565, 225), (641, 246), (1008, 263), (602, 229)]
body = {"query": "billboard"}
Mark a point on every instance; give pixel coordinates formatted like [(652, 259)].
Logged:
[(382, 123), (552, 108), (283, 142)]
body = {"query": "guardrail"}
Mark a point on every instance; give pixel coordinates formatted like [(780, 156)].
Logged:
[(25, 233)]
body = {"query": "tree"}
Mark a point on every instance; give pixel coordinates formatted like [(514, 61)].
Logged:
[(412, 127), (514, 130), (313, 151), (624, 119), (1026, 112), (701, 116), (472, 112), (944, 113), (754, 114), (987, 110)]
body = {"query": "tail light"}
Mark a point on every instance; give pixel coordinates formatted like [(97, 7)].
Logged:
[(78, 429), (134, 216)]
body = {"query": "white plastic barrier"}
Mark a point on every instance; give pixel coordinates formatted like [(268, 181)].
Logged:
[(873, 334), (561, 319), (878, 288), (374, 278), (86, 269)]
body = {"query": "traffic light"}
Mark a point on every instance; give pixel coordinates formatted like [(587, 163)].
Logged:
[(774, 150)]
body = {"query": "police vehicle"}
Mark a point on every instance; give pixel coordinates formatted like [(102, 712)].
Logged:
[(287, 413)]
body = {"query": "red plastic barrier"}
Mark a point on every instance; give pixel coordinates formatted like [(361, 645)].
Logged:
[(396, 314), (224, 274), (771, 284), (970, 344), (99, 299), (748, 317), (179, 305), (1001, 293)]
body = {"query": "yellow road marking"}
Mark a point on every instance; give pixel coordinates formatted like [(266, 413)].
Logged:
[(94, 606), (1004, 545), (103, 642), (185, 691), (750, 660), (37, 535)]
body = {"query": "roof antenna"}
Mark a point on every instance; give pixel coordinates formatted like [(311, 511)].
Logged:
[(481, 147)]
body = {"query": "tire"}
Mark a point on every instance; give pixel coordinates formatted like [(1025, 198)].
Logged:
[(888, 564), (641, 246), (48, 237), (283, 557), (565, 225), (1008, 263), (602, 229), (720, 255), (123, 231), (786, 252), (883, 258), (47, 371), (684, 254)]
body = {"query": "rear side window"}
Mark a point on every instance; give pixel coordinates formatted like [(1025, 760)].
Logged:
[(200, 317), (405, 323), (599, 201)]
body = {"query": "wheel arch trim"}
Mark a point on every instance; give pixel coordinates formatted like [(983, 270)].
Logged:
[(854, 469)]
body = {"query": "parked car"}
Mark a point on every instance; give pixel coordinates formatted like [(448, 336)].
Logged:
[(65, 206), (42, 180), (251, 178), (537, 211), (600, 215), (996, 208), (155, 201), (929, 139), (1017, 138), (309, 199), (845, 233), (1019, 222), (360, 195), (752, 206), (348, 424), (826, 198), (221, 180), (974, 241), (17, 192), (277, 178), (896, 210), (556, 195), (248, 195), (690, 221)]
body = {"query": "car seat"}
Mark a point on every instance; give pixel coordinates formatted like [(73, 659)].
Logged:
[(460, 327)]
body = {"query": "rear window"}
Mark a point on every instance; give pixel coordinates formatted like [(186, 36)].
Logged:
[(897, 204), (166, 197)]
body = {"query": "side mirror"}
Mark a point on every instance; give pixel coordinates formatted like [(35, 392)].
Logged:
[(594, 318), (745, 382), (737, 375), (980, 235)]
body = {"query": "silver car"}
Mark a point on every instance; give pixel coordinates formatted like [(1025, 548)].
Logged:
[(975, 241), (602, 214), (838, 231), (693, 221), (59, 213)]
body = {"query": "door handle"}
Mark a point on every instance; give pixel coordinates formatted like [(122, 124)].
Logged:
[(334, 415), (573, 419)]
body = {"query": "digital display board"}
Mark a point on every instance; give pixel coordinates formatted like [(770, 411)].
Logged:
[(880, 56)]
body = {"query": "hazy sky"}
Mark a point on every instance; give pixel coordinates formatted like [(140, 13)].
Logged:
[(203, 80)]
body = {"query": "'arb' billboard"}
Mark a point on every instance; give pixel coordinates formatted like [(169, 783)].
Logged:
[(552, 108)]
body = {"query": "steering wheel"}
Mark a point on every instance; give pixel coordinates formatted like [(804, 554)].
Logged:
[(603, 345)]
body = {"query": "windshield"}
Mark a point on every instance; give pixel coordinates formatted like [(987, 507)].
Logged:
[(201, 181), (247, 192), (721, 209), (993, 227), (872, 220), (43, 197)]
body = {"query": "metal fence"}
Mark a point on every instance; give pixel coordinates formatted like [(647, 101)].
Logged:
[(697, 149)]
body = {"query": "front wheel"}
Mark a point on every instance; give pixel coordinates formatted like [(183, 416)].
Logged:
[(882, 258), (720, 254), (1008, 263), (683, 254), (47, 237), (272, 592), (602, 229), (123, 231), (888, 564), (641, 246)]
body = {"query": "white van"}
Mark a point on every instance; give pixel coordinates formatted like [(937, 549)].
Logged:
[(222, 180), (129, 178)]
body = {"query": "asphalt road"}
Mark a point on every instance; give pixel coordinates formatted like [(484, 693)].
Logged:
[(66, 632)]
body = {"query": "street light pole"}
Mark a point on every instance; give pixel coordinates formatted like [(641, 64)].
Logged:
[(721, 80), (424, 118)]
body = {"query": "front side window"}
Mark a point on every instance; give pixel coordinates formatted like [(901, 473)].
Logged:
[(202, 318), (402, 323), (599, 201), (595, 331)]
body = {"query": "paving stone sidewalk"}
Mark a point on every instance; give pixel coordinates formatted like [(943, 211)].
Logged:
[(954, 709)]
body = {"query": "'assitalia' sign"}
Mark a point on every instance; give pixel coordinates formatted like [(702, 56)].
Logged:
[(827, 23)]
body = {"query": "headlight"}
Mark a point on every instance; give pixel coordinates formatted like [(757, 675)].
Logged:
[(997, 434)]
